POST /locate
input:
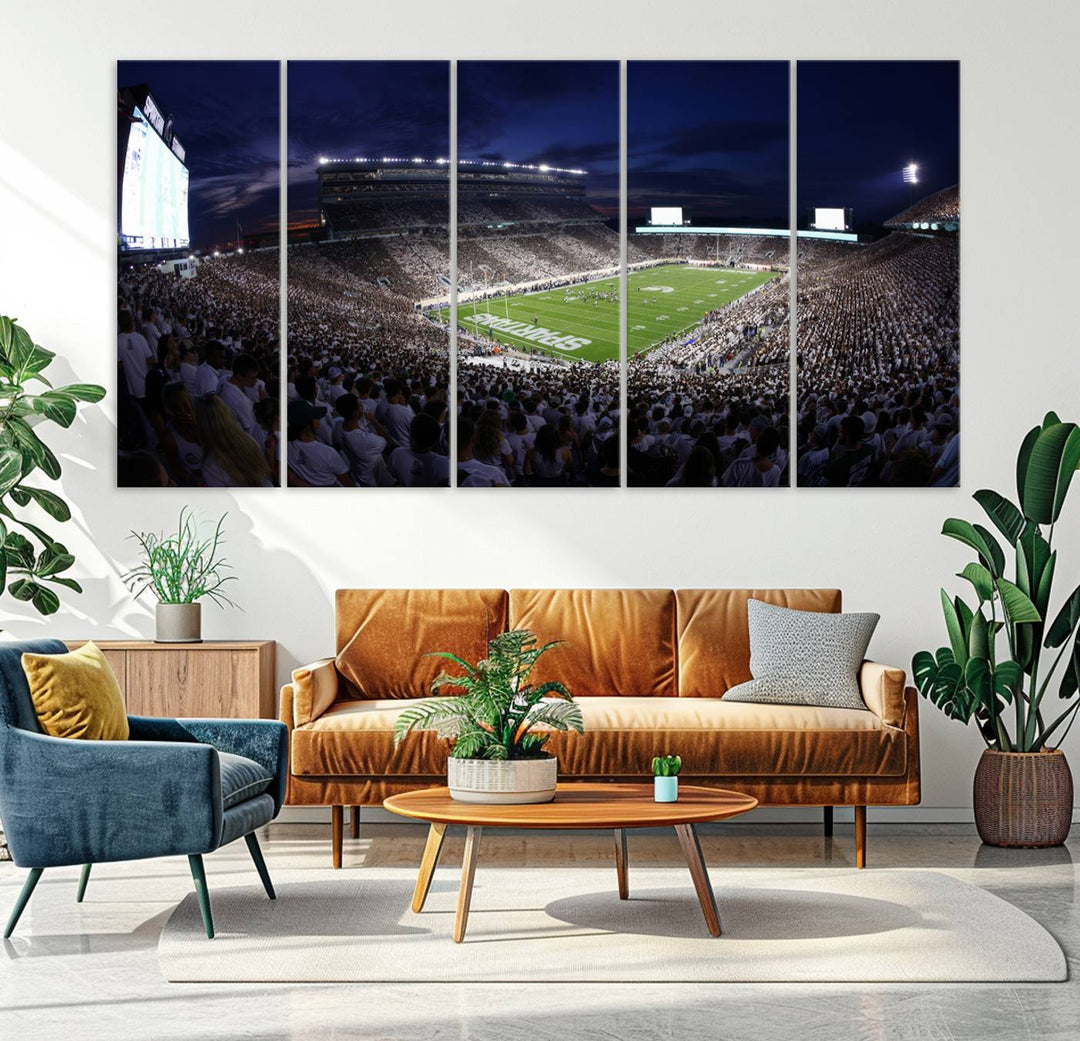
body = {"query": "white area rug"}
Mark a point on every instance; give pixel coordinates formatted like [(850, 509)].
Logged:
[(568, 924)]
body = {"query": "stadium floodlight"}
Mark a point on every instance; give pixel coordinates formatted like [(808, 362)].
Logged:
[(911, 173), (323, 160)]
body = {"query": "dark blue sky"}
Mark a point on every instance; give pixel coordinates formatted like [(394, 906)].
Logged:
[(362, 108), (226, 115), (860, 122), (565, 113), (711, 136)]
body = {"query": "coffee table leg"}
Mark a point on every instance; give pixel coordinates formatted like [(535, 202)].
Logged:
[(621, 863), (468, 870), (436, 834), (692, 851)]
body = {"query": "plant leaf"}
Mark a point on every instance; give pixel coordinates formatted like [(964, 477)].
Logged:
[(981, 579), (1016, 603), (10, 468), (979, 539), (1005, 516), (1054, 458), (89, 392), (957, 636), (1066, 620)]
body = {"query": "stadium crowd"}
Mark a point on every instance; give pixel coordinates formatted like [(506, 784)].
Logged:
[(879, 357), (198, 374), (537, 423), (368, 378)]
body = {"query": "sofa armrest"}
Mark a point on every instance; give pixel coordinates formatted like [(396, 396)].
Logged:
[(66, 801), (314, 690), (264, 740), (882, 688)]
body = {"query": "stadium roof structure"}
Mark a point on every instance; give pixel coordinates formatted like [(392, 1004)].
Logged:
[(937, 212), (420, 161)]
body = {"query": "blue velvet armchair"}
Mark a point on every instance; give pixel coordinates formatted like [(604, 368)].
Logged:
[(178, 786)]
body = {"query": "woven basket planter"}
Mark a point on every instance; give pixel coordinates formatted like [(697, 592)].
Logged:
[(1023, 799), (502, 781)]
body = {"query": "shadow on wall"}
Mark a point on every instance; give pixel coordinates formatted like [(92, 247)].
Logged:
[(102, 518)]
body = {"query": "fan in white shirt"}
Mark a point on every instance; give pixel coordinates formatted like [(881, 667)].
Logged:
[(311, 462), (135, 355)]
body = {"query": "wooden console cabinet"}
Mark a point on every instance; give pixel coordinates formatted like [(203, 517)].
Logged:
[(215, 678)]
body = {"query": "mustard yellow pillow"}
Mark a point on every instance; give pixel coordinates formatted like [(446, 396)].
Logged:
[(76, 695)]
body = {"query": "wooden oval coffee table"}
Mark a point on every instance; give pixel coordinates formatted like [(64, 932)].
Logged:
[(577, 806)]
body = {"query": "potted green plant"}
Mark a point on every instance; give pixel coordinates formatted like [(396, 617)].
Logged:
[(1023, 785), (32, 564), (181, 568), (665, 770), (498, 753)]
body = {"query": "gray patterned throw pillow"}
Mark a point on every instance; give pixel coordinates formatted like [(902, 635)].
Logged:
[(804, 657)]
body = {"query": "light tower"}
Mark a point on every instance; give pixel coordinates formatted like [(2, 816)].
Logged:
[(911, 178)]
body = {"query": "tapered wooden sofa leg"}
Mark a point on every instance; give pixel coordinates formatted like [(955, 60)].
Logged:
[(23, 900), (198, 874), (84, 877), (354, 823), (337, 828), (828, 818), (252, 841), (860, 836)]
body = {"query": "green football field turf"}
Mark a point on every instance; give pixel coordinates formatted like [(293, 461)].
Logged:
[(662, 301)]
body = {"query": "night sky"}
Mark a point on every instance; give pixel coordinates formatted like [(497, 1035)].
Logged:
[(564, 113), (226, 115), (343, 109), (860, 122), (710, 136)]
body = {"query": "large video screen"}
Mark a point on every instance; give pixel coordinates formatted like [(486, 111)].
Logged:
[(154, 196), (830, 219), (666, 215)]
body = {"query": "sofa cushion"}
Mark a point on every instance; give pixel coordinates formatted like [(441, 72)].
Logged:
[(714, 633), (241, 779), (622, 734), (805, 657), (618, 641), (384, 634)]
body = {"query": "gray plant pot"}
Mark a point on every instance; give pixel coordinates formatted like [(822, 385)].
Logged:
[(178, 623)]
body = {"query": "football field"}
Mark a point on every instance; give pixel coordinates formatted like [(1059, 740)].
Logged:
[(582, 321)]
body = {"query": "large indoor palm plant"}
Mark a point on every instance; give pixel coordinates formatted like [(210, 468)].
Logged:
[(1012, 665), (498, 753)]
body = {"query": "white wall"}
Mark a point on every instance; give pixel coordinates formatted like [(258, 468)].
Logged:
[(1020, 82)]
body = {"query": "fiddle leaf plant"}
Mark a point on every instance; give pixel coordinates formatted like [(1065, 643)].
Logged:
[(32, 561), (968, 680), (495, 716)]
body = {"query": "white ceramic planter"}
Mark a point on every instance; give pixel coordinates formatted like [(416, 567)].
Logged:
[(178, 623), (502, 781)]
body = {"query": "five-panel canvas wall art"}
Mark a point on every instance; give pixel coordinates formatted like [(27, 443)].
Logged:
[(756, 284)]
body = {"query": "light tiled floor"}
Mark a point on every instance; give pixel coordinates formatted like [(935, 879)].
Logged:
[(90, 971)]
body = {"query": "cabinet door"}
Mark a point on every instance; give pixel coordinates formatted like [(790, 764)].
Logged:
[(203, 682)]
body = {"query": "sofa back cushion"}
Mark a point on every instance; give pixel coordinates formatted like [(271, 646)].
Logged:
[(383, 635), (619, 641), (714, 634)]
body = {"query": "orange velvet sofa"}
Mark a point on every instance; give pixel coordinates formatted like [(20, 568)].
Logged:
[(649, 668)]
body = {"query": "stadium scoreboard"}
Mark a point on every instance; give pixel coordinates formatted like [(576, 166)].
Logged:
[(831, 219), (153, 210), (666, 216)]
